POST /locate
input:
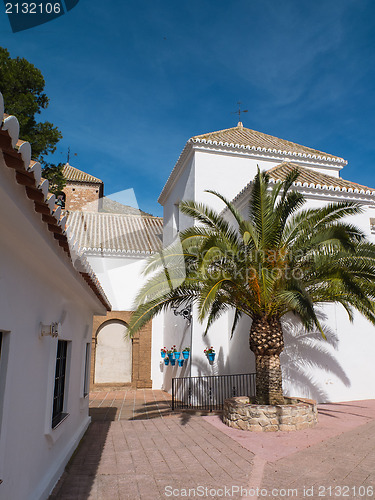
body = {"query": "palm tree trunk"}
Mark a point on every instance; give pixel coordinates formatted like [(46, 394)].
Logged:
[(267, 342)]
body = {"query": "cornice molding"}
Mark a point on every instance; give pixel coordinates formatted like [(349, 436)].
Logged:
[(195, 144), (317, 191), (283, 153)]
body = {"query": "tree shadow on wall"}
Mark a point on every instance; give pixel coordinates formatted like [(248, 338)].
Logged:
[(306, 353)]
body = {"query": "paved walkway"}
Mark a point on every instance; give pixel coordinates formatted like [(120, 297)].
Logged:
[(129, 404), (129, 453)]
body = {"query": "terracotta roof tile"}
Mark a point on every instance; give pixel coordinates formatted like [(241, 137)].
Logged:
[(241, 136), (246, 139), (72, 174), (311, 176), (17, 156), (115, 233)]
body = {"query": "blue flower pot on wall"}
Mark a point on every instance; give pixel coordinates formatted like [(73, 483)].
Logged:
[(173, 362), (162, 354), (180, 362), (166, 361), (177, 355), (211, 356), (170, 355), (186, 354)]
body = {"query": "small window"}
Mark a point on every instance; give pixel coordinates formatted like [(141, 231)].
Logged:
[(86, 382), (60, 374), (60, 200)]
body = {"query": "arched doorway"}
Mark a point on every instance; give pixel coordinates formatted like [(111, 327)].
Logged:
[(113, 359)]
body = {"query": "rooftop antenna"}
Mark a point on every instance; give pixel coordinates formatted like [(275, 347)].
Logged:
[(68, 157), (240, 124)]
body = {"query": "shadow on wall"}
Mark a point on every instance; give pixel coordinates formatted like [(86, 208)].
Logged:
[(307, 360), (240, 358), (307, 356)]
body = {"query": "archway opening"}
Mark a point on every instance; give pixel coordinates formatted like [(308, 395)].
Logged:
[(113, 359)]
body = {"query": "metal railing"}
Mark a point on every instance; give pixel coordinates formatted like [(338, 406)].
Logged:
[(209, 393)]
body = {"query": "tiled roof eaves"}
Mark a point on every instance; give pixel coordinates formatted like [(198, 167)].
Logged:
[(313, 156), (29, 175), (108, 252), (115, 234), (256, 149), (360, 190), (73, 174), (321, 181)]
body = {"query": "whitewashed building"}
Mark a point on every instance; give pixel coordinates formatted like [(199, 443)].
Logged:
[(48, 296), (226, 161), (117, 246)]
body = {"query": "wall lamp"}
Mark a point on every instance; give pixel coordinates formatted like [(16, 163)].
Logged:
[(54, 329)]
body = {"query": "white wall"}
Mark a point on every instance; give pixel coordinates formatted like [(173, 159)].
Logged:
[(227, 175), (37, 284), (113, 354), (341, 368), (120, 277), (157, 342), (336, 374), (184, 189)]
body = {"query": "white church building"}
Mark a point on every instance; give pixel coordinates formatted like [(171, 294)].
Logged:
[(226, 161)]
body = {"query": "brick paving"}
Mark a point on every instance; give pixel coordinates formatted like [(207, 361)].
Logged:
[(137, 449), (129, 404), (127, 453), (343, 466)]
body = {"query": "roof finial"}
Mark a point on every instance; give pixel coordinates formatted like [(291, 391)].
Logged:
[(240, 124)]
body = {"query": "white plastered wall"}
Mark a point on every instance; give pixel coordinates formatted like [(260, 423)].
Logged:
[(121, 279), (338, 374), (341, 368), (38, 284)]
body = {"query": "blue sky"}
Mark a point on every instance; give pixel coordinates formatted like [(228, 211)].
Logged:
[(130, 81)]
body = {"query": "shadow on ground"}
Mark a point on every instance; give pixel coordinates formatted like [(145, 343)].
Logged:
[(81, 470)]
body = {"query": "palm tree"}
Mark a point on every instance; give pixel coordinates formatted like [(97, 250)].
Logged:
[(279, 259)]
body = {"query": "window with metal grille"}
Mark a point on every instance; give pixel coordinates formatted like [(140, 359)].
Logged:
[(58, 397), (86, 382)]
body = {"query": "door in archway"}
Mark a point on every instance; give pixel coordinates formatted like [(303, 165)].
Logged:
[(113, 360)]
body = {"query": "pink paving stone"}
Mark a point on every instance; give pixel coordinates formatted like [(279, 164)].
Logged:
[(334, 419), (188, 451)]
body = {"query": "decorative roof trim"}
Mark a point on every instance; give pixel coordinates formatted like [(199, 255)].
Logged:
[(322, 190), (108, 252), (254, 150), (269, 150), (28, 175), (115, 234)]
